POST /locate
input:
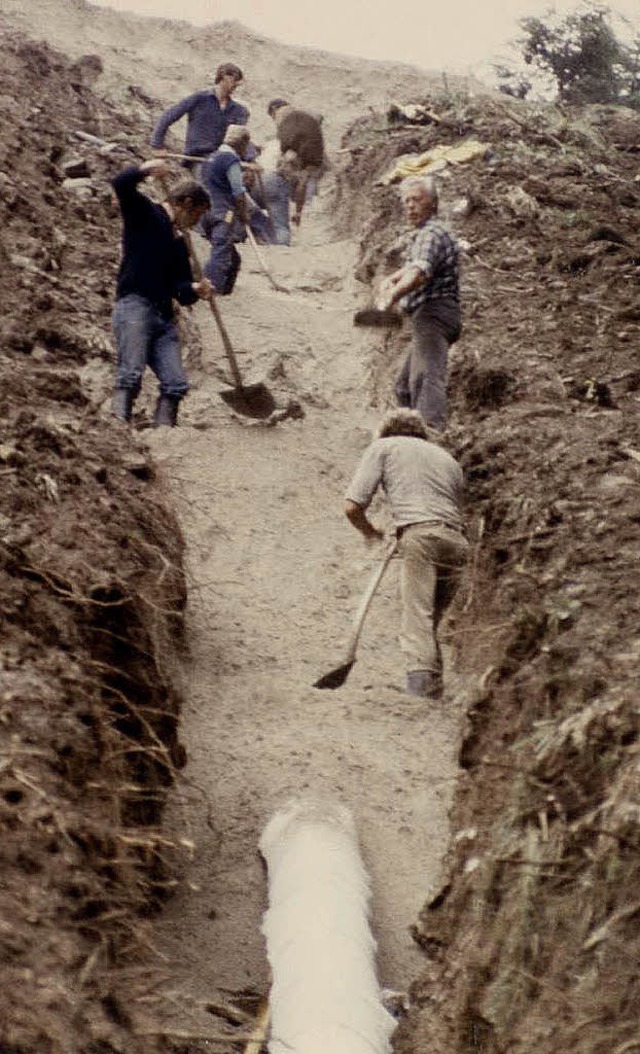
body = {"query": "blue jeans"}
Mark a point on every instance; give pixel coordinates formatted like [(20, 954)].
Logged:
[(224, 261), (277, 198), (422, 383), (145, 338)]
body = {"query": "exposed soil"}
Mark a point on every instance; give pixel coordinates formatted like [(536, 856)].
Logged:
[(529, 934)]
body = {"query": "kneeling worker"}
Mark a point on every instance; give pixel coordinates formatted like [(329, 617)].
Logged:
[(423, 485), (155, 270)]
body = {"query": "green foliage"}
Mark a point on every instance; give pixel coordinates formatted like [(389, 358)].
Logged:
[(583, 56)]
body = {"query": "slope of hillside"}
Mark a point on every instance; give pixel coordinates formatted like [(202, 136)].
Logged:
[(171, 59)]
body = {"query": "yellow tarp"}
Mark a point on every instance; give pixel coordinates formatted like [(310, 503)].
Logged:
[(419, 164)]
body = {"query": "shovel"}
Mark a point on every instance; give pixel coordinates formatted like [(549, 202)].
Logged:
[(251, 400), (374, 316), (262, 264), (336, 677)]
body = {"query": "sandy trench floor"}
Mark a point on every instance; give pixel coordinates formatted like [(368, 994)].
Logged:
[(275, 575)]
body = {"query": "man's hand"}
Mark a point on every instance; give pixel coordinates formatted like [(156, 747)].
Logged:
[(204, 289), (357, 516), (385, 297), (374, 536), (158, 167)]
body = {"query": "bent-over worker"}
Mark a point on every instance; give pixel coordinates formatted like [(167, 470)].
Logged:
[(226, 222), (423, 485), (302, 146), (155, 269), (427, 288)]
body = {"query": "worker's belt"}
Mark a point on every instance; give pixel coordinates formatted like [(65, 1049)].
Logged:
[(428, 523)]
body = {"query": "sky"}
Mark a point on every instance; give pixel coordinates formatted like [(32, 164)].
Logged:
[(455, 34)]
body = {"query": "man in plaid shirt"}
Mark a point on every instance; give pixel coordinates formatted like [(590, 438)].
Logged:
[(427, 289)]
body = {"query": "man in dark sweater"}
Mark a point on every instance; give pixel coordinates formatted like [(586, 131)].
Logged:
[(155, 270), (209, 113)]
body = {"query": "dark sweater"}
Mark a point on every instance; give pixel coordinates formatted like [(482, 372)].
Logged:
[(155, 262), (301, 131)]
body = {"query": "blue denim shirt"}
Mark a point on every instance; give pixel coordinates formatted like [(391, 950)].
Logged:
[(222, 177), (206, 122)]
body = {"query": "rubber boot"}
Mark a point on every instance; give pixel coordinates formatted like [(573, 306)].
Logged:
[(424, 683), (123, 404), (166, 411)]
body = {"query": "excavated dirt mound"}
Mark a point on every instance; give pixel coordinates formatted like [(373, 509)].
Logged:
[(92, 595), (532, 940)]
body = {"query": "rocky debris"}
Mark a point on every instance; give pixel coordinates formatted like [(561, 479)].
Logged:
[(75, 168)]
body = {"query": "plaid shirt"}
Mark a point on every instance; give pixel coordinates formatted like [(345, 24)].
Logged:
[(435, 251)]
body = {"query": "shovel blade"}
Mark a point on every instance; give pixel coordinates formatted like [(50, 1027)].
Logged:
[(372, 316), (251, 400), (335, 678)]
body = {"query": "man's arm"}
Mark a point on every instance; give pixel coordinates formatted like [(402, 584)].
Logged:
[(242, 201), (169, 117), (361, 490), (126, 183), (399, 284), (357, 516), (185, 290)]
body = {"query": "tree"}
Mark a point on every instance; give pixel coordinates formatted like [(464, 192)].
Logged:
[(583, 56)]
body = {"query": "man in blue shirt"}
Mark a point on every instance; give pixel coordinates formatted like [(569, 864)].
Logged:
[(427, 289), (155, 270), (226, 222), (209, 113)]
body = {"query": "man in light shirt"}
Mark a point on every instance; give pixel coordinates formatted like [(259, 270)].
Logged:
[(423, 485)]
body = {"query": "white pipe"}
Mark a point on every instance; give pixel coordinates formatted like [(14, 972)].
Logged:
[(325, 997)]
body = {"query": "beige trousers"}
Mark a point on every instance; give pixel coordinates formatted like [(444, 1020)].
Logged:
[(433, 557)]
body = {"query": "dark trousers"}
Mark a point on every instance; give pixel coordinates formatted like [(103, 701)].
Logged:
[(224, 260), (422, 382)]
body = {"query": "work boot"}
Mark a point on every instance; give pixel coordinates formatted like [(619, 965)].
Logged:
[(166, 411), (424, 683), (123, 404)]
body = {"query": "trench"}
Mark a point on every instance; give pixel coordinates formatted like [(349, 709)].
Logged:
[(275, 573)]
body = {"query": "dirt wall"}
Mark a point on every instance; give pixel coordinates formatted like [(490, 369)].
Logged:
[(531, 942), (92, 595)]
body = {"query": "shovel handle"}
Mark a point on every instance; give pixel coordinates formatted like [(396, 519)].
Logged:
[(367, 597), (228, 347), (215, 311), (262, 264)]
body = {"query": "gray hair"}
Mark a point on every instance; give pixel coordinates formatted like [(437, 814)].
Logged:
[(236, 135), (404, 422), (425, 183)]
